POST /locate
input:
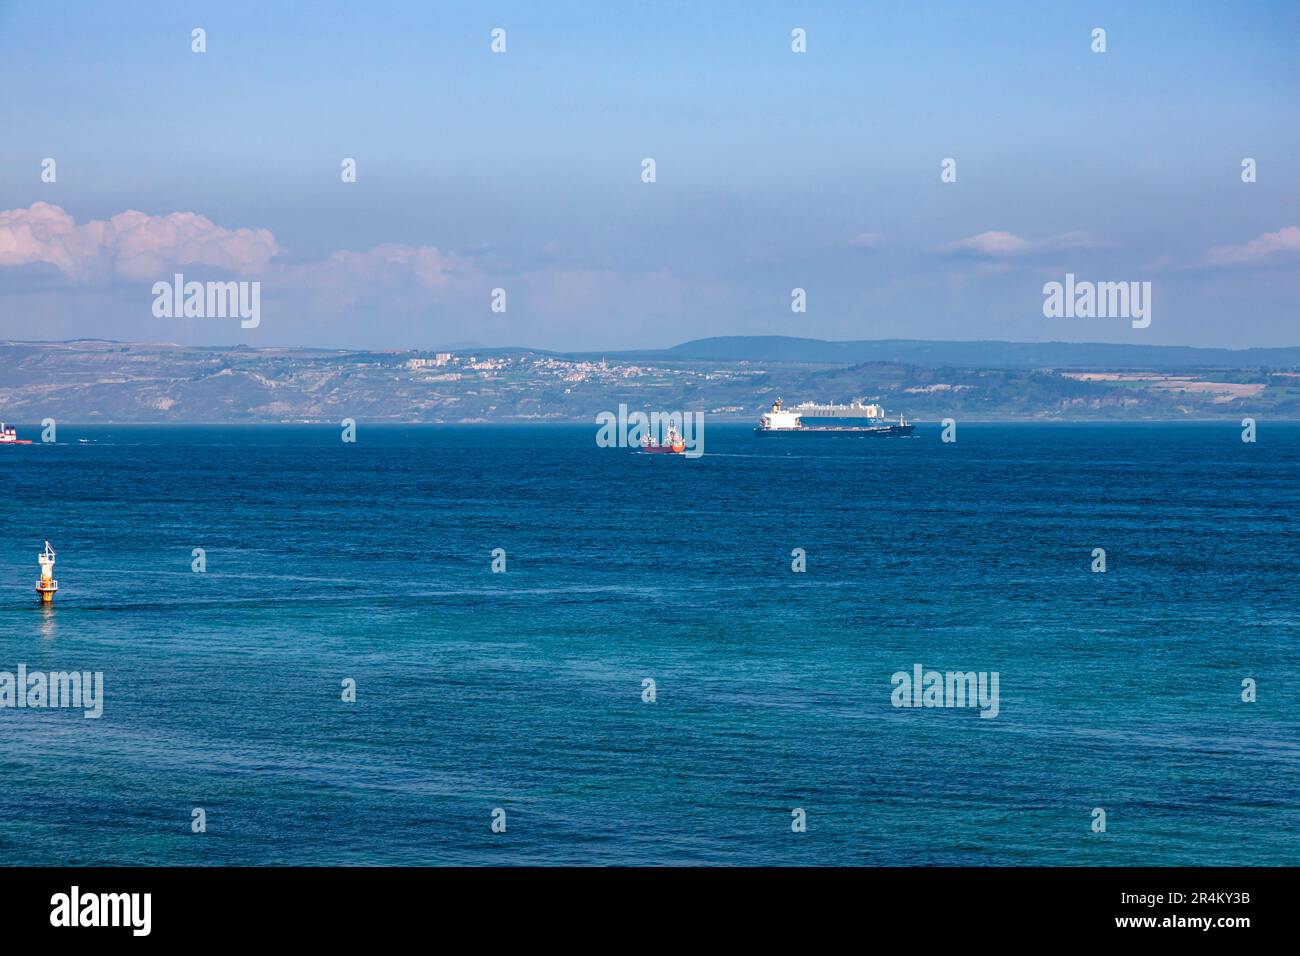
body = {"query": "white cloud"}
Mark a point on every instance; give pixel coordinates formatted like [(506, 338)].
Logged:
[(994, 244), (134, 246), (131, 245), (1270, 247), (426, 267), (402, 292), (1007, 245), (867, 240)]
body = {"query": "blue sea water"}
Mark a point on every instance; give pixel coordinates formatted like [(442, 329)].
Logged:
[(523, 690)]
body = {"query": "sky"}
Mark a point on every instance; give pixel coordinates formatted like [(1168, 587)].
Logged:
[(774, 170)]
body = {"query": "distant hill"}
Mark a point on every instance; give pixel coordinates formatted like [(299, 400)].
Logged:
[(730, 379), (979, 354)]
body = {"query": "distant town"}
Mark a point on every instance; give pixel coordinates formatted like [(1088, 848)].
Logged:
[(98, 381)]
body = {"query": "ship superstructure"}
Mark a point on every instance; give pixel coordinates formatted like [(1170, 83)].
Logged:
[(9, 436), (821, 419), (673, 444)]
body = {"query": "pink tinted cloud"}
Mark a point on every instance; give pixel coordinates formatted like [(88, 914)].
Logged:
[(997, 244), (131, 245), (1269, 247)]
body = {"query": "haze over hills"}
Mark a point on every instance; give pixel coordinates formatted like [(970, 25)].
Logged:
[(729, 378), (976, 354)]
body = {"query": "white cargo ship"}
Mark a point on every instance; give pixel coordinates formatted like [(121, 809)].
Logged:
[(813, 419)]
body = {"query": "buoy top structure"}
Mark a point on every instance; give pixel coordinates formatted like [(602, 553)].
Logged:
[(46, 586)]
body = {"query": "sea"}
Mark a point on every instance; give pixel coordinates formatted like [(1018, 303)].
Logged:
[(308, 656)]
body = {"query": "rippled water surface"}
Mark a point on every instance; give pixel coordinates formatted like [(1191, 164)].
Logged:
[(523, 690)]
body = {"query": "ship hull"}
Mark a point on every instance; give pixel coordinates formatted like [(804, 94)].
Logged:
[(873, 431), (662, 450)]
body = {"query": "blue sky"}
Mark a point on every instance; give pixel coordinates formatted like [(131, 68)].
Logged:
[(775, 170)]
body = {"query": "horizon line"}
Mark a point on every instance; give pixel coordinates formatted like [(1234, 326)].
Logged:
[(630, 350)]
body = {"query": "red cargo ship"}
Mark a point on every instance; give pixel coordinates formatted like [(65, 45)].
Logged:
[(672, 444), (10, 437)]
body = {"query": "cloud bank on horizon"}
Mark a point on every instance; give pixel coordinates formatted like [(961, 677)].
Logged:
[(899, 172), (130, 245)]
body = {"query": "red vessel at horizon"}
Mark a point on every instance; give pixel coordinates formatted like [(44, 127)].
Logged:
[(672, 444), (9, 436)]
